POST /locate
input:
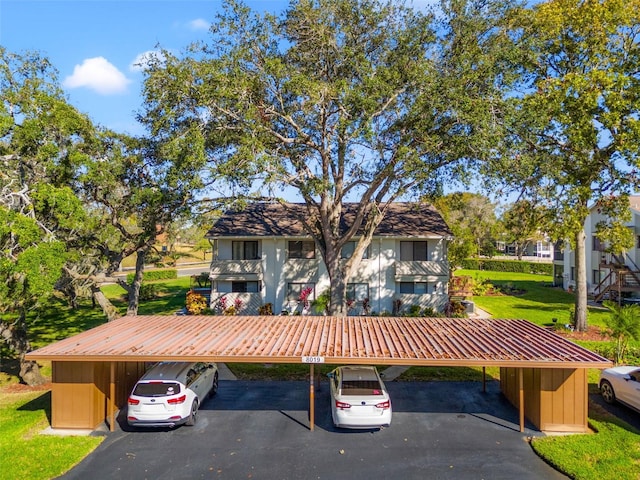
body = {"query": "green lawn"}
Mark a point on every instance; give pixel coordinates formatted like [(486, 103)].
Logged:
[(171, 297), (611, 453), (24, 454), (539, 304)]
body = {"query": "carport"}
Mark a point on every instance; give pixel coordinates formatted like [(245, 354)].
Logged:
[(541, 373)]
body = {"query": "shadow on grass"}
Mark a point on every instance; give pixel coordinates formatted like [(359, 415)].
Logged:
[(43, 402)]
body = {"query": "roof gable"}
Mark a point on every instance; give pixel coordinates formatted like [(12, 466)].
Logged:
[(263, 219)]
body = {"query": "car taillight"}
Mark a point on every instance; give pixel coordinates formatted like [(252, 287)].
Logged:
[(342, 405), (384, 405), (133, 401), (180, 399)]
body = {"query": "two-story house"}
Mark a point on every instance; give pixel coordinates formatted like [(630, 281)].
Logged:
[(608, 274), (262, 255)]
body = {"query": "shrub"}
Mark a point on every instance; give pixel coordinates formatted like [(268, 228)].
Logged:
[(516, 266), (321, 303), (266, 309), (196, 303), (431, 312), (152, 275), (455, 310), (148, 291), (481, 287)]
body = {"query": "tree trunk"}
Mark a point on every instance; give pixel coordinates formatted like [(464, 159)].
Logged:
[(15, 335), (338, 290), (581, 282), (134, 290), (110, 311)]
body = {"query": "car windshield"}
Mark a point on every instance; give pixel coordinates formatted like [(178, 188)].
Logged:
[(361, 387), (156, 389)]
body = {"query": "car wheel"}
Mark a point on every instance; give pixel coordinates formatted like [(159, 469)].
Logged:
[(214, 387), (191, 421), (606, 390)]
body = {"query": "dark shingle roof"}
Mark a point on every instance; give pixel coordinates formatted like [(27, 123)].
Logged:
[(276, 220)]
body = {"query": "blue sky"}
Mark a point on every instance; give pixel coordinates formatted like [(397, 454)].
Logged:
[(94, 44)]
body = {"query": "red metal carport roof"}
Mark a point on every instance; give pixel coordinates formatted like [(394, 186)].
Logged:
[(335, 340)]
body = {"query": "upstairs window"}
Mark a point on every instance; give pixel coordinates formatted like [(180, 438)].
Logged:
[(244, 250), (413, 251), (302, 249), (597, 245), (349, 248)]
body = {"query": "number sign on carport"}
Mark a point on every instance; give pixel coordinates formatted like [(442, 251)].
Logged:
[(541, 373)]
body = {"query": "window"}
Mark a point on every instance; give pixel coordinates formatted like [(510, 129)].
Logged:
[(413, 251), (245, 287), (573, 273), (302, 249), (349, 248), (244, 250), (417, 288), (596, 244), (357, 291), (295, 291), (596, 277), (638, 241)]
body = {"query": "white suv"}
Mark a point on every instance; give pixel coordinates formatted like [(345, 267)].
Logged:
[(170, 394)]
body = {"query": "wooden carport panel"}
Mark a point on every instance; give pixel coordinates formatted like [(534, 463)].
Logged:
[(555, 400)]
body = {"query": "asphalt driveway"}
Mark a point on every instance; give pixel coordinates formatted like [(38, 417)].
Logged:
[(259, 430)]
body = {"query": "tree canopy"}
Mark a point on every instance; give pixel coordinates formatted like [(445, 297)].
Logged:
[(574, 138), (75, 199), (337, 101)]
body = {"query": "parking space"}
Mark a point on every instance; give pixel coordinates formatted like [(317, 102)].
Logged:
[(260, 430)]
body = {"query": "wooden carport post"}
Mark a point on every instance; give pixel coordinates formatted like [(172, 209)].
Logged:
[(521, 395), (112, 397), (312, 402)]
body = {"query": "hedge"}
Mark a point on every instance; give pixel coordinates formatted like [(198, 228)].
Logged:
[(151, 275), (507, 266)]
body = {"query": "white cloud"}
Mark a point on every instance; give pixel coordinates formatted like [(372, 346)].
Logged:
[(99, 75), (199, 24), (141, 62)]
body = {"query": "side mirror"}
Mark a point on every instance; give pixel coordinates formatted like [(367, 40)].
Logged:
[(330, 375)]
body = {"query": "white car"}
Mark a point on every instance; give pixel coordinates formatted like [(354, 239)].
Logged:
[(621, 384), (170, 394), (359, 398)]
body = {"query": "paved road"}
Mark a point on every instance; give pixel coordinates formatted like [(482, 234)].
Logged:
[(259, 430), (623, 413)]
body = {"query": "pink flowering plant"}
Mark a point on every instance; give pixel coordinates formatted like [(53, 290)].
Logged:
[(304, 297)]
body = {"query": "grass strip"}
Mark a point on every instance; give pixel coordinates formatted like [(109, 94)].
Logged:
[(24, 451)]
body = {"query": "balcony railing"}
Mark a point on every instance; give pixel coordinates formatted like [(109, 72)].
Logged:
[(236, 268), (421, 268)]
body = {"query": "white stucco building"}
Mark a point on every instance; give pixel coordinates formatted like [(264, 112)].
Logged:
[(262, 255), (606, 272)]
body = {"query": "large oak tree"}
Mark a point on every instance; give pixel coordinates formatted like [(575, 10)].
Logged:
[(336, 101)]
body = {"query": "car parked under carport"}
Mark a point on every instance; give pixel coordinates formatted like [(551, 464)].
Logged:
[(259, 429)]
